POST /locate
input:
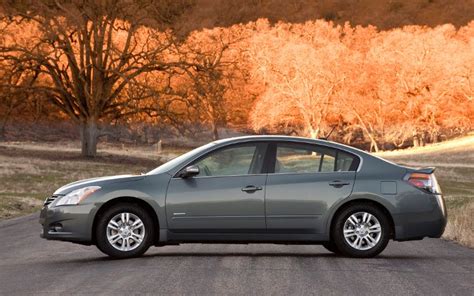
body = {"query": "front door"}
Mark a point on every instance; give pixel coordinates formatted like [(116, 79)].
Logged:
[(228, 194), (305, 182)]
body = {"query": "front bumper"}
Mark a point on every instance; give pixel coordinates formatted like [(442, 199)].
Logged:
[(412, 226), (67, 223)]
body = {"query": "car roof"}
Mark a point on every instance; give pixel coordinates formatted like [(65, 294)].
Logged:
[(284, 138), (269, 137)]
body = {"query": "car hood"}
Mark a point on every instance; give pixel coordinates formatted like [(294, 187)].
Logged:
[(97, 182)]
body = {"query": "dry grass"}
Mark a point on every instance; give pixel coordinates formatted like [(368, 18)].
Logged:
[(454, 162), (461, 225), (149, 152), (457, 146), (28, 174)]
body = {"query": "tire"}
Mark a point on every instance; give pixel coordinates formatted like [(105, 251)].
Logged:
[(331, 247), (367, 229), (131, 237)]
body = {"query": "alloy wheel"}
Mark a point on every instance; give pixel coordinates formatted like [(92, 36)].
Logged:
[(125, 231), (362, 231)]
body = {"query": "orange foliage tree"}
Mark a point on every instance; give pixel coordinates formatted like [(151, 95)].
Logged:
[(397, 86), (114, 60), (301, 79), (87, 53)]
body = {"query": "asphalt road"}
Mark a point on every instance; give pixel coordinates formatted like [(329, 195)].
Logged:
[(30, 265)]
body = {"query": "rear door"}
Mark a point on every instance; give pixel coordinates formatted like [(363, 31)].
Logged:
[(304, 182)]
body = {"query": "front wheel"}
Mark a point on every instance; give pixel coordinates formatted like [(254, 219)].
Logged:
[(361, 230), (124, 230)]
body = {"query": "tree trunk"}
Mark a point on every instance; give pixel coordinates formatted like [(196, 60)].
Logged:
[(422, 140), (3, 125), (313, 132), (89, 135), (373, 144), (3, 129), (215, 131)]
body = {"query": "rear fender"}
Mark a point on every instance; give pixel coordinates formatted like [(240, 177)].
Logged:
[(358, 197)]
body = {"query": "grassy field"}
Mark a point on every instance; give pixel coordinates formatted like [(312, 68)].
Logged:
[(29, 172)]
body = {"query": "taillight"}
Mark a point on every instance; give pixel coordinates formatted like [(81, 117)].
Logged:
[(424, 181)]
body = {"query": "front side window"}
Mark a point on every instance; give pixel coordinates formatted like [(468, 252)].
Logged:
[(236, 160), (300, 158)]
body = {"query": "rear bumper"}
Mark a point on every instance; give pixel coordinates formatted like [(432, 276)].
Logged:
[(67, 223), (413, 226)]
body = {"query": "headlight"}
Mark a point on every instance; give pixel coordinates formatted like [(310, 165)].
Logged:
[(76, 196)]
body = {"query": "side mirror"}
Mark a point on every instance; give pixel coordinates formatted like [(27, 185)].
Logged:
[(189, 171)]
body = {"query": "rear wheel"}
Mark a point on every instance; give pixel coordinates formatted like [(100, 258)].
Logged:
[(124, 230), (361, 230)]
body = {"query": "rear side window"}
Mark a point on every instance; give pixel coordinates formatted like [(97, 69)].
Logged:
[(328, 162), (301, 158), (296, 160), (344, 162)]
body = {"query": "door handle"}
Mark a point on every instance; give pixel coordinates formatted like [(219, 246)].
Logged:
[(338, 184), (251, 188)]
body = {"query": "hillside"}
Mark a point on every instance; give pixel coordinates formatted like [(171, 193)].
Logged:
[(382, 14), (458, 152)]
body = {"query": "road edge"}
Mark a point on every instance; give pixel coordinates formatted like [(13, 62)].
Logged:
[(17, 220)]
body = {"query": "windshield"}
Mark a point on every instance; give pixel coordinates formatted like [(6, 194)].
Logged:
[(176, 161)]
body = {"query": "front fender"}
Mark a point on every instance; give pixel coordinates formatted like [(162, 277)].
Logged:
[(151, 190)]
